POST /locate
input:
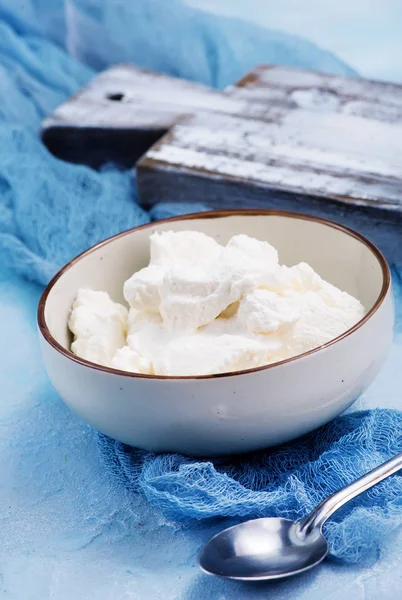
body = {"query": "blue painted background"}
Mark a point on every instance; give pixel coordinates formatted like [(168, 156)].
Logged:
[(66, 531)]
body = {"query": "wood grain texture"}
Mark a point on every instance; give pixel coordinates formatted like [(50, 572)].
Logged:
[(279, 132), (298, 88), (342, 157), (124, 110)]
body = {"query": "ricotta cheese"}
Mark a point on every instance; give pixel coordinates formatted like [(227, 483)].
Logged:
[(200, 308)]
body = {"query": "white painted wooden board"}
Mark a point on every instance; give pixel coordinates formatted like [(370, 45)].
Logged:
[(124, 110), (325, 154), (329, 137), (300, 88), (278, 129)]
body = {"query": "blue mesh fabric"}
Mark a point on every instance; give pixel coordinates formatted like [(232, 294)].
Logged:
[(51, 210), (288, 481)]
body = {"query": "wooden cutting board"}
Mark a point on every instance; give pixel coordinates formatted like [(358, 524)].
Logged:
[(124, 110), (282, 137)]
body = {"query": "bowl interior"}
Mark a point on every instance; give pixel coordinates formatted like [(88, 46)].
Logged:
[(339, 257)]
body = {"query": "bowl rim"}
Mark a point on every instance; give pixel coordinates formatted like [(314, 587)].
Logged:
[(214, 214)]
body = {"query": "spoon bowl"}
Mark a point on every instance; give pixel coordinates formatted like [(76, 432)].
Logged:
[(261, 549)]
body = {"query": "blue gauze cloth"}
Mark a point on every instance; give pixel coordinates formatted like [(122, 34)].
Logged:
[(288, 481), (51, 210)]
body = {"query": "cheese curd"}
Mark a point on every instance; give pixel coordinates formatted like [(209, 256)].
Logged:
[(200, 308)]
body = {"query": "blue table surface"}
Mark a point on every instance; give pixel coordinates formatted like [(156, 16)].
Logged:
[(67, 533)]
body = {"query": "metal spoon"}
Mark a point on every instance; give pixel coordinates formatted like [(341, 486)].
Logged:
[(273, 548)]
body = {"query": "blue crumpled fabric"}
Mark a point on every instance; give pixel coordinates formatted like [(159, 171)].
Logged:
[(51, 210), (288, 481)]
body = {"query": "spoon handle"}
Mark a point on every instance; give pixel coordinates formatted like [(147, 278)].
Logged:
[(320, 514)]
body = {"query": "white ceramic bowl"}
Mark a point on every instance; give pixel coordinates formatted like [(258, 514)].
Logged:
[(235, 412)]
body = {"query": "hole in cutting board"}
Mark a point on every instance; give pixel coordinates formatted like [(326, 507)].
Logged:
[(115, 97)]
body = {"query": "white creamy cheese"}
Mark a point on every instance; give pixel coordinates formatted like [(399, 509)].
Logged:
[(99, 326), (200, 308)]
